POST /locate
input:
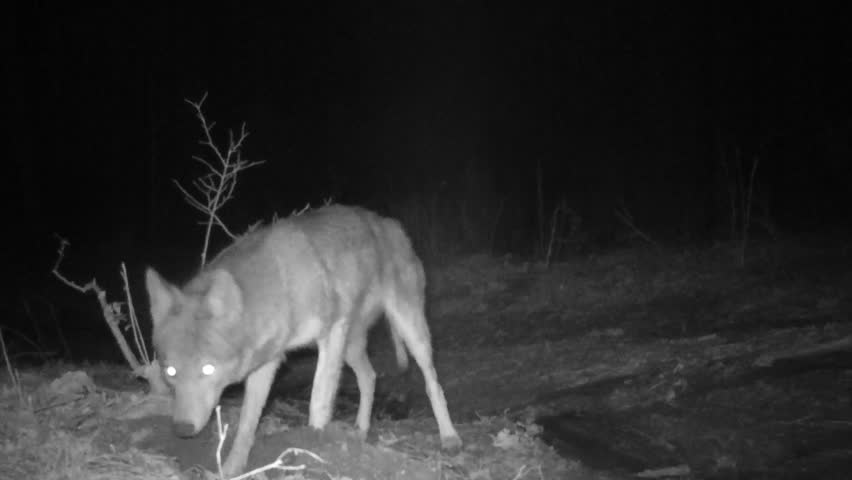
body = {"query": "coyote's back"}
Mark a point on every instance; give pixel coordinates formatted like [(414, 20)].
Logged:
[(322, 277)]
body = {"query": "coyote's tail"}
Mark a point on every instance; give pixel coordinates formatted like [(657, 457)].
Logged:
[(399, 348)]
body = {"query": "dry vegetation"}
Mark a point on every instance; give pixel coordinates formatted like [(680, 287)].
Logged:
[(652, 362)]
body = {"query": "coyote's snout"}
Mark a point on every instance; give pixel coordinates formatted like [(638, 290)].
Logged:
[(322, 277)]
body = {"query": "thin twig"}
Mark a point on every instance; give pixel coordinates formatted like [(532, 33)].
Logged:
[(14, 377), (746, 214), (222, 431), (134, 322), (554, 223), (627, 219), (277, 464)]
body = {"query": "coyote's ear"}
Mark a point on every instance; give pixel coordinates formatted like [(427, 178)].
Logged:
[(224, 297), (161, 294)]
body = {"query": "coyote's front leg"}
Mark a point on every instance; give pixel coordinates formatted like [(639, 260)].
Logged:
[(256, 392)]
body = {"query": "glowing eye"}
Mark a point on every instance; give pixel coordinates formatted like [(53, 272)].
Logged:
[(171, 371), (208, 369)]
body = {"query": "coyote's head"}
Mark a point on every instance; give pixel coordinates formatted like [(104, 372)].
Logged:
[(194, 339)]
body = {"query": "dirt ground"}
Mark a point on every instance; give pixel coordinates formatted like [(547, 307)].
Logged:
[(643, 363), (665, 362)]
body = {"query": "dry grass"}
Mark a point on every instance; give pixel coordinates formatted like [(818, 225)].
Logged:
[(63, 455), (47, 440)]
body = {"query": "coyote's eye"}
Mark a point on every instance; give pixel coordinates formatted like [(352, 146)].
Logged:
[(208, 369), (170, 371)]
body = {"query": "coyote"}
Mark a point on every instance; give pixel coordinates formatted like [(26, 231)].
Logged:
[(321, 277)]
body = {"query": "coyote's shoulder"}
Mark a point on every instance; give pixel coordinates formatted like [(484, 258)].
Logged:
[(321, 277)]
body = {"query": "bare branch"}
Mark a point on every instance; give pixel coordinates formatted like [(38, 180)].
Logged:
[(204, 162), (217, 186), (111, 311), (206, 185), (296, 213), (224, 227), (60, 255), (624, 215), (189, 198), (60, 252), (199, 104), (134, 322), (247, 165)]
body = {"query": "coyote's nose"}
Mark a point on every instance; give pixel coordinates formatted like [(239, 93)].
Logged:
[(183, 429)]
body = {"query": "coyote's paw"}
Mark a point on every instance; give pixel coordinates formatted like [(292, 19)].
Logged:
[(451, 443), (233, 467)]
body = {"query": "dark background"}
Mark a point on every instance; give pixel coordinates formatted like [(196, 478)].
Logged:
[(447, 111)]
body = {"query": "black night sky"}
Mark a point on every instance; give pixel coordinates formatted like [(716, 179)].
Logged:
[(443, 107)]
